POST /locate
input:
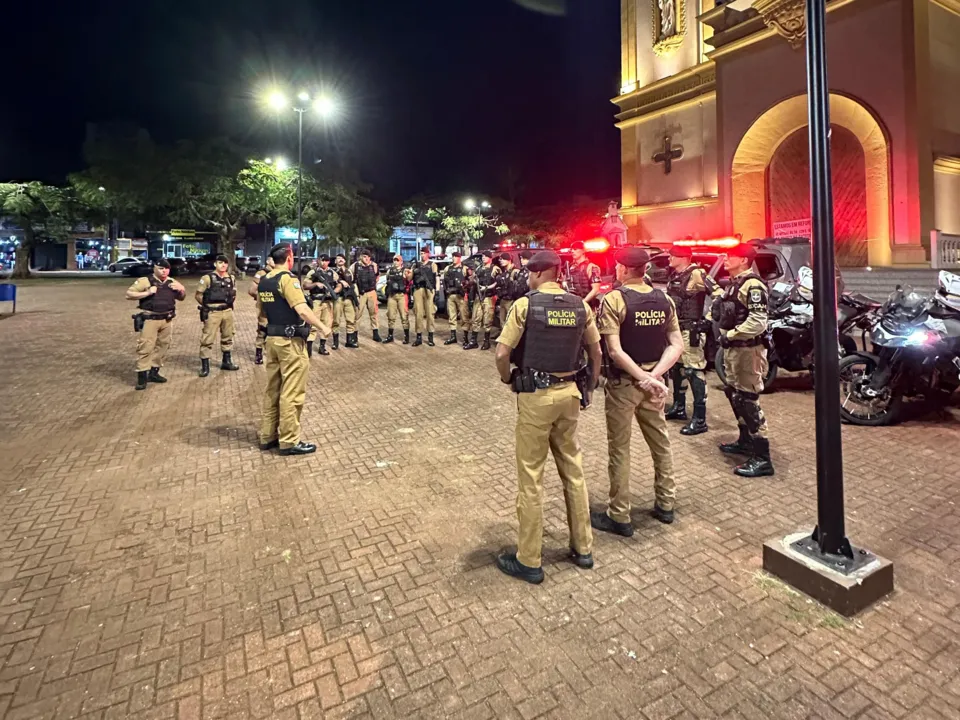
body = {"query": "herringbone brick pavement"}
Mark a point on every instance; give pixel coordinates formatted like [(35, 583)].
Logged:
[(155, 564)]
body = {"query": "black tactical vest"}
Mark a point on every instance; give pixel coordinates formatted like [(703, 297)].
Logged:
[(580, 280), (689, 304), (554, 328), (395, 281), (222, 291), (343, 275), (643, 333), (322, 289), (506, 287), (729, 311), (163, 302), (485, 276), (425, 277), (275, 307), (453, 280), (522, 282), (366, 278)]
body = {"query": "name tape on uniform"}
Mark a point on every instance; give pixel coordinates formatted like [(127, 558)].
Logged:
[(562, 318), (649, 317)]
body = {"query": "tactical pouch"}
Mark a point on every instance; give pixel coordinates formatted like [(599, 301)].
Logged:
[(695, 336), (204, 314), (582, 382), (138, 321), (522, 382)]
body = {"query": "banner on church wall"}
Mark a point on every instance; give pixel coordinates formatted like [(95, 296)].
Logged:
[(793, 228)]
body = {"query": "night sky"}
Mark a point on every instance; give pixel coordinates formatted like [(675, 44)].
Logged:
[(479, 96)]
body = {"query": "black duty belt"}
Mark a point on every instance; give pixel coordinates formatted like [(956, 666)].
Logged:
[(752, 342), (165, 316), (288, 331), (218, 308), (543, 380)]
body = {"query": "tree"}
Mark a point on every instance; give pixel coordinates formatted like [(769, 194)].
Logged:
[(471, 227), (43, 212), (337, 214)]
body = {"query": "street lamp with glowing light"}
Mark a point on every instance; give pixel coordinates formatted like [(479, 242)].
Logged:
[(277, 100), (469, 204)]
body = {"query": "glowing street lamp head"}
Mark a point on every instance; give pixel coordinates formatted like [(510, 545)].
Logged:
[(485, 205), (277, 100), (324, 106), (469, 204), (281, 164), (303, 96), (268, 161)]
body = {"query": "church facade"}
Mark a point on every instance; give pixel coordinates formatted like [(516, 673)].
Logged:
[(713, 122)]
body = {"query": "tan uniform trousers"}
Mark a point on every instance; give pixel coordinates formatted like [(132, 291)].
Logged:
[(348, 311), (457, 313), (547, 419), (693, 357), (324, 311), (483, 314), (370, 305), (624, 403), (397, 308), (261, 332), (505, 306), (287, 365), (425, 308), (218, 321), (745, 368), (152, 343)]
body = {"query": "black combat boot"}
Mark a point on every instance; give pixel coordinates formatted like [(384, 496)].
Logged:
[(227, 363), (258, 357), (602, 521), (677, 411), (508, 563), (698, 424), (406, 337), (389, 336), (141, 379), (376, 336), (742, 446), (336, 341), (204, 367), (323, 348), (155, 376), (430, 341), (309, 348), (352, 341), (759, 464), (419, 341), (486, 341), (452, 340), (472, 345)]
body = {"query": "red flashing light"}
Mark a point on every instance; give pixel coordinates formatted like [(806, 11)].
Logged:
[(727, 242), (598, 245)]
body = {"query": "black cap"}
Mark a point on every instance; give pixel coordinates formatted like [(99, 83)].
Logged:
[(632, 257), (505, 257), (163, 262), (324, 258), (487, 254), (576, 245), (365, 252), (457, 253), (526, 254), (544, 260), (222, 258)]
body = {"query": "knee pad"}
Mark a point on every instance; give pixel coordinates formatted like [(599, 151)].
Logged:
[(749, 409)]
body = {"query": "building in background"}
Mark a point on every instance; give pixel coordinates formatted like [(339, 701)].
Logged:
[(713, 121)]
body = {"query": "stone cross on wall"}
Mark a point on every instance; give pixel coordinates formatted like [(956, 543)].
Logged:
[(668, 155)]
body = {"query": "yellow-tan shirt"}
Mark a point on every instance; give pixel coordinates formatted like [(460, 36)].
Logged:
[(289, 288), (613, 312), (753, 295), (695, 281), (517, 319)]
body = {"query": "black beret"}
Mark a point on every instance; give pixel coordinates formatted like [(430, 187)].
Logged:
[(543, 260), (681, 251), (526, 254), (632, 257), (163, 262), (577, 245), (365, 252), (743, 250), (424, 250), (457, 253), (324, 258), (222, 258), (505, 257), (487, 253)]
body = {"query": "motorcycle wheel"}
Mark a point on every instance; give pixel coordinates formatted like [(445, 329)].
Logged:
[(848, 345), (855, 371), (719, 367)]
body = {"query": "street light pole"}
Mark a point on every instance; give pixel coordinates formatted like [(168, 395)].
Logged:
[(300, 180)]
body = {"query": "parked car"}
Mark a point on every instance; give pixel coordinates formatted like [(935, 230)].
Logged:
[(249, 265), (178, 266), (137, 270), (124, 263), (200, 265)]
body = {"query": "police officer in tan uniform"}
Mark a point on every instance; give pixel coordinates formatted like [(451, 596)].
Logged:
[(507, 290), (486, 305), (583, 276), (456, 304), (687, 290), (261, 318), (426, 282), (320, 282), (398, 279), (544, 337), (216, 293), (642, 341), (344, 306), (741, 313), (281, 299), (365, 274), (157, 296)]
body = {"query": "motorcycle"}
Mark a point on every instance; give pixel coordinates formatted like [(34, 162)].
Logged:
[(916, 353)]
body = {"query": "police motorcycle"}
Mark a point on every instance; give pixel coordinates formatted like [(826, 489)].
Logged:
[(915, 353)]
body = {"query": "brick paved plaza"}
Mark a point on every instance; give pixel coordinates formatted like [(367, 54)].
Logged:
[(155, 564)]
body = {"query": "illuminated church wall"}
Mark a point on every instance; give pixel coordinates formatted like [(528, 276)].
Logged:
[(945, 81)]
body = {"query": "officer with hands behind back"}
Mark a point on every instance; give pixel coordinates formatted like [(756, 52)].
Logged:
[(282, 301), (157, 297), (642, 341), (741, 313), (544, 337)]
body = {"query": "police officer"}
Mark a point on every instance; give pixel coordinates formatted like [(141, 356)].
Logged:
[(484, 309), (261, 318), (456, 306), (583, 275), (216, 294), (642, 342), (507, 292), (544, 336), (365, 275), (398, 278), (687, 290), (523, 274), (320, 283), (426, 282), (741, 313), (344, 306), (471, 300), (282, 301), (158, 296)]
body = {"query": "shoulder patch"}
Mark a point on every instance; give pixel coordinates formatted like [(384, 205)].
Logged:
[(296, 284), (756, 295)]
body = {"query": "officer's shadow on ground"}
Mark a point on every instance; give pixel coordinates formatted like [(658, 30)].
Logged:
[(218, 436), (493, 541), (123, 373)]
